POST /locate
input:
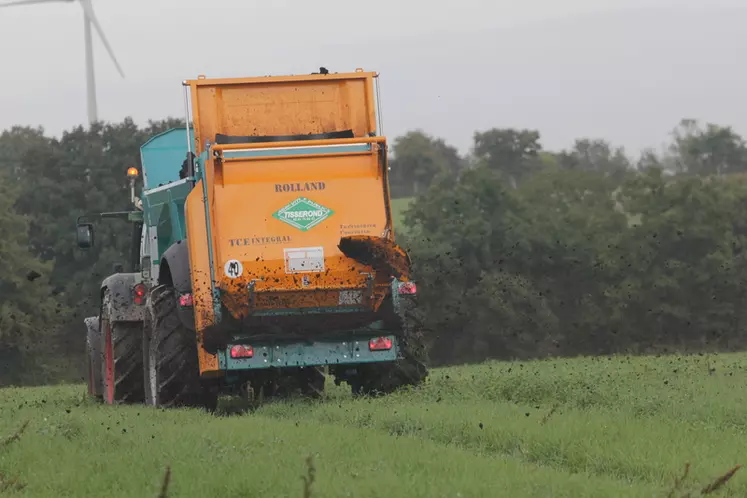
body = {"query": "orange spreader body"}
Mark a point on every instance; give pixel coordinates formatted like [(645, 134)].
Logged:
[(278, 210)]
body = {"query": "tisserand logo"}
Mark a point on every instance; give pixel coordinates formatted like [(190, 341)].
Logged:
[(303, 214)]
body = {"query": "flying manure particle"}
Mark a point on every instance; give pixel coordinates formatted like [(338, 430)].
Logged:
[(32, 275)]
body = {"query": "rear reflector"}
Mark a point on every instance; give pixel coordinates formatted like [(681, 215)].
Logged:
[(240, 351), (408, 288), (185, 300), (380, 344), (138, 293)]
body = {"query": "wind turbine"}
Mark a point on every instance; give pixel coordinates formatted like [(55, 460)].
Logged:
[(89, 18)]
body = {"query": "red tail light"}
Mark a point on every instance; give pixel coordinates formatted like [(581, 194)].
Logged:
[(240, 351), (380, 344), (185, 300), (407, 288), (138, 293)]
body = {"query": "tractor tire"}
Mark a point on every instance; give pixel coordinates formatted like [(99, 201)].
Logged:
[(172, 376), (121, 368), (409, 370)]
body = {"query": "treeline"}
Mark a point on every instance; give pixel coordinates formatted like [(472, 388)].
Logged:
[(519, 251), (45, 184), (525, 253)]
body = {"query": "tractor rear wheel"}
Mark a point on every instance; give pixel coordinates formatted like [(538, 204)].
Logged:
[(172, 370), (121, 368)]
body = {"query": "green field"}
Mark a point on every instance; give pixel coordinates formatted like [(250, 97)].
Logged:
[(582, 427), (399, 206)]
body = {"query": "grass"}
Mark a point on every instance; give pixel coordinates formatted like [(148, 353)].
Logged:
[(399, 206), (583, 427)]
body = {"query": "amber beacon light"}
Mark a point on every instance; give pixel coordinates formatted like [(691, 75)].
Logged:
[(132, 174)]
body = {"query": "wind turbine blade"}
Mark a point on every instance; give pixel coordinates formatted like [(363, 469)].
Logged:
[(88, 11), (28, 2)]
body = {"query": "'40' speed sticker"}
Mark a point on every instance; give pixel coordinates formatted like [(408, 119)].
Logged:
[(233, 268)]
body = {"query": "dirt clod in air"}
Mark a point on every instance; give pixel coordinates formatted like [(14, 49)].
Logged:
[(382, 254)]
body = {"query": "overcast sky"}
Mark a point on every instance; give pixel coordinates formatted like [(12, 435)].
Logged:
[(626, 71)]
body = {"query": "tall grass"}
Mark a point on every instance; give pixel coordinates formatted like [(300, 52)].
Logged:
[(584, 427)]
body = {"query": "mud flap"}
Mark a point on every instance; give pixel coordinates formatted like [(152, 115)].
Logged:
[(378, 252), (94, 356)]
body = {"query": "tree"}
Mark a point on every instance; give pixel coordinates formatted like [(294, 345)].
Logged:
[(713, 150), (594, 257), (596, 156), (417, 159), (81, 173), (516, 153), (681, 274), (574, 226), (27, 313), (467, 236)]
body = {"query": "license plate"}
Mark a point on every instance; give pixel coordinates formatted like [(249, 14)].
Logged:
[(350, 297)]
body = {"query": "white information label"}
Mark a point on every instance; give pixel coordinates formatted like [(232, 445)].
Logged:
[(304, 260), (233, 268)]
